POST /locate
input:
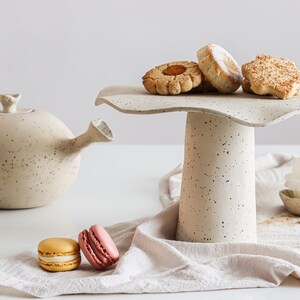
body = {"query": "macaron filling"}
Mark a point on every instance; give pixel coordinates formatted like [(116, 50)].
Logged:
[(58, 259)]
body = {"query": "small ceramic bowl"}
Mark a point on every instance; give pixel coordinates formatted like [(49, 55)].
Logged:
[(291, 203)]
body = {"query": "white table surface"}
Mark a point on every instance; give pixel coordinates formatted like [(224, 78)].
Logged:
[(115, 183)]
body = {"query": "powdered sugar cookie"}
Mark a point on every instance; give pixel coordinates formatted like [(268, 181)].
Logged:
[(173, 78), (220, 68), (204, 86)]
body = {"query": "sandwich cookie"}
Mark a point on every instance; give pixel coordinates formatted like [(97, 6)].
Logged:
[(59, 254), (220, 68), (98, 247)]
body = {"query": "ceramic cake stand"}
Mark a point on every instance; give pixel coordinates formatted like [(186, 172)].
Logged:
[(217, 202)]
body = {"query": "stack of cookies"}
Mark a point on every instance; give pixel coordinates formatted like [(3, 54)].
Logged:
[(218, 71)]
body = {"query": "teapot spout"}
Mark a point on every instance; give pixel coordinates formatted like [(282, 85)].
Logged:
[(98, 131)]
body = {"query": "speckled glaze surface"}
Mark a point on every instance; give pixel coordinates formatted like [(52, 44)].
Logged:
[(247, 109), (217, 202), (291, 203), (33, 169), (39, 156)]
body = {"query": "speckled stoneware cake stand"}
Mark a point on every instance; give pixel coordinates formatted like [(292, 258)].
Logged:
[(217, 202)]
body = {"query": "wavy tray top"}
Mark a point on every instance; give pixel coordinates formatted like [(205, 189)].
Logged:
[(247, 109)]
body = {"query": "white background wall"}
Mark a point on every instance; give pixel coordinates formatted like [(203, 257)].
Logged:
[(60, 53)]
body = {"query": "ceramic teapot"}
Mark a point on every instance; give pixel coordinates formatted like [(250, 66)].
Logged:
[(39, 156)]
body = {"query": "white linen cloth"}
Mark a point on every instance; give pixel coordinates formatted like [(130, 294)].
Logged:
[(153, 262)]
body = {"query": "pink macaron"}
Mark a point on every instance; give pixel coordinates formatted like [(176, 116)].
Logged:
[(98, 247)]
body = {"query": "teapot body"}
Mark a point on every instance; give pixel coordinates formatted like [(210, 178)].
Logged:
[(36, 166)]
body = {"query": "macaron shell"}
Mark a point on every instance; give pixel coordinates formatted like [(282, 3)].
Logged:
[(103, 243), (105, 260), (58, 246), (60, 267), (86, 248)]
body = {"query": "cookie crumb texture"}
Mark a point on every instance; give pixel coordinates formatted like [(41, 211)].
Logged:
[(173, 78), (220, 68), (270, 75)]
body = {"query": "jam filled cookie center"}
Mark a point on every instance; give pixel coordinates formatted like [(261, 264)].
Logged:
[(174, 70)]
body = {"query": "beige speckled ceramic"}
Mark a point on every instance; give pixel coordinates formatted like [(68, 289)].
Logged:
[(218, 182), (217, 202), (291, 203), (292, 180), (39, 156), (247, 109)]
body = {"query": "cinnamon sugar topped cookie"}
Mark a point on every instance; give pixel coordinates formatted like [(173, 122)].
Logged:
[(270, 75)]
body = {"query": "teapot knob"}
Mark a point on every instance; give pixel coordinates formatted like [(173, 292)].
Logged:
[(9, 102)]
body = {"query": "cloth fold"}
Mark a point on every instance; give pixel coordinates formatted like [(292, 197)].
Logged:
[(153, 262)]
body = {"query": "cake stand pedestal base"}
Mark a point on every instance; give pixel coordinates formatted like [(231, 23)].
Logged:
[(217, 202)]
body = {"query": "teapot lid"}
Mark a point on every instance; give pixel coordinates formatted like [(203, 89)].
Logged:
[(9, 104)]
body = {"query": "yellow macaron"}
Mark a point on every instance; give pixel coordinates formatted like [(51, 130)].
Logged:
[(59, 254)]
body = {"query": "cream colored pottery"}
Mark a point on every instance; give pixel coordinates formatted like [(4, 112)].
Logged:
[(291, 203), (39, 156), (218, 182), (217, 202), (293, 179)]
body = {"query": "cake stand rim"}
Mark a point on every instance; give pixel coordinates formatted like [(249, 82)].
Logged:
[(104, 99)]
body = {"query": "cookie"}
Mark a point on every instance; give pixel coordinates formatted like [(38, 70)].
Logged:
[(98, 247), (270, 75), (59, 254), (204, 87), (173, 78), (246, 86), (220, 68)]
